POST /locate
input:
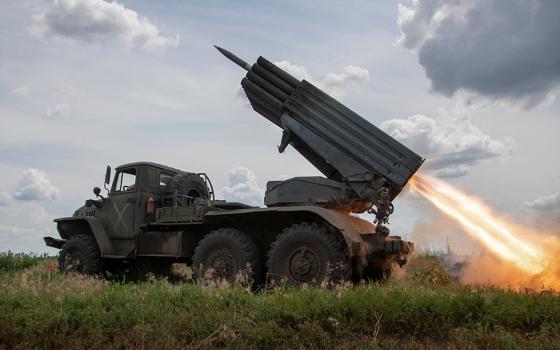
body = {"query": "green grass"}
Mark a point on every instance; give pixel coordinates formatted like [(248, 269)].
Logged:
[(41, 308), (14, 262)]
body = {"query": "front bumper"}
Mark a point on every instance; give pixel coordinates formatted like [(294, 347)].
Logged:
[(54, 242)]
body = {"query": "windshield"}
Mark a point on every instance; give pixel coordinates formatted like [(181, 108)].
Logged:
[(125, 181)]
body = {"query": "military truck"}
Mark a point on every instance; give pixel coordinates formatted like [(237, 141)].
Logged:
[(308, 232)]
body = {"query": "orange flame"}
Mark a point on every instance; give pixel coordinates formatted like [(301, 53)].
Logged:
[(532, 255)]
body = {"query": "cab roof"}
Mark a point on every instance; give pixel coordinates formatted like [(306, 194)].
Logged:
[(155, 165)]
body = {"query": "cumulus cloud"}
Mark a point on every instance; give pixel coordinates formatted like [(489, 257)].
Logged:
[(336, 84), (501, 49), (57, 110), (549, 203), (299, 72), (452, 146), (34, 185), (243, 187), (98, 21)]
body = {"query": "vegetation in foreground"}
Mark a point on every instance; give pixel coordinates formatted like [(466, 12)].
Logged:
[(42, 308)]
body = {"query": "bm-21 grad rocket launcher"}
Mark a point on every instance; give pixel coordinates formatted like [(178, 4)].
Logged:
[(364, 168), (157, 215)]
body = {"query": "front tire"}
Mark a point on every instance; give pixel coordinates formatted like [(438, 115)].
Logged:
[(80, 254), (227, 254), (307, 253)]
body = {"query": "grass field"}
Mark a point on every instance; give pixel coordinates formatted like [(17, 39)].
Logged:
[(41, 308)]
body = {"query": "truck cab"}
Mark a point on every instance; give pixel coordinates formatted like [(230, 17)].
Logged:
[(124, 211), (119, 220)]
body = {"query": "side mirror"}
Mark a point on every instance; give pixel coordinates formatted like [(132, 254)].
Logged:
[(97, 191), (108, 175)]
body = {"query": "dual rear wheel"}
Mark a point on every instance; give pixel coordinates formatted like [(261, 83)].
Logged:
[(307, 254), (304, 253), (227, 254)]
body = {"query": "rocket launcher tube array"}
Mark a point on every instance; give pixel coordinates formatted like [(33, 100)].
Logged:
[(338, 142)]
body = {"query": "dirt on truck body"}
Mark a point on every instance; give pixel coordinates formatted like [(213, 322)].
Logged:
[(308, 232)]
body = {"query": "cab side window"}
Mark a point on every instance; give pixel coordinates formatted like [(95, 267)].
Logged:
[(125, 181), (164, 179)]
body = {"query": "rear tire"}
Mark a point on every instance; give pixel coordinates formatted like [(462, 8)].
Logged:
[(80, 254), (307, 253), (226, 254)]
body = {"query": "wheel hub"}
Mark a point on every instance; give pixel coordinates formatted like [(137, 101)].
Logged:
[(304, 265), (223, 265), (74, 261)]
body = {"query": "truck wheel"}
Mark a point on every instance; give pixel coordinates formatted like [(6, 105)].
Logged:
[(307, 254), (80, 254), (227, 254), (189, 185)]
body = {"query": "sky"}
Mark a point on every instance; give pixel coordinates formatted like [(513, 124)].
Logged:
[(470, 85)]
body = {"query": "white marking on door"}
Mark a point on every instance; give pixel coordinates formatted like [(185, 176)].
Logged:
[(120, 216)]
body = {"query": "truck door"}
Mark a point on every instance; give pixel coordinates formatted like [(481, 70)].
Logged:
[(122, 204)]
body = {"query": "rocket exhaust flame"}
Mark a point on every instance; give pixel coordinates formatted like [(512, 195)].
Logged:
[(533, 256)]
